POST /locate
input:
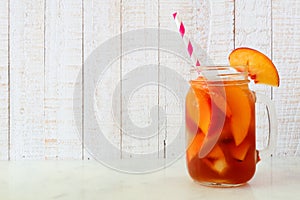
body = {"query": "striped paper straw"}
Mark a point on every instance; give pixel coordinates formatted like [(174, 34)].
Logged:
[(208, 74), (186, 40)]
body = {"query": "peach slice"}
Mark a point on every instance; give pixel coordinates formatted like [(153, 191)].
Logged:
[(240, 106), (194, 146), (208, 114), (216, 152), (216, 159), (226, 134), (214, 132), (198, 108), (190, 124), (219, 99), (261, 69), (199, 102), (215, 93), (239, 152)]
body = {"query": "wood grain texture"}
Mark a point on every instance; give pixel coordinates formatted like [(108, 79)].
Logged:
[(63, 60), (253, 28), (101, 24), (4, 93), (286, 48), (27, 79), (137, 113), (202, 17), (221, 36)]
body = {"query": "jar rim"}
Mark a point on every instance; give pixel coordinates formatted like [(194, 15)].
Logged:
[(217, 73)]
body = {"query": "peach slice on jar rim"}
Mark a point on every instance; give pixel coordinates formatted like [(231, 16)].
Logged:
[(260, 68)]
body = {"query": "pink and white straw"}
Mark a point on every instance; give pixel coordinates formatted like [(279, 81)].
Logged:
[(186, 40)]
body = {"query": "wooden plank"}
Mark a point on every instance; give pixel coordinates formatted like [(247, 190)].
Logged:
[(286, 51), (253, 28), (101, 25), (137, 15), (27, 79), (202, 16), (63, 61), (4, 97), (221, 37)]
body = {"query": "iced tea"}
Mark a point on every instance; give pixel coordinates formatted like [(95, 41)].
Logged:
[(220, 131)]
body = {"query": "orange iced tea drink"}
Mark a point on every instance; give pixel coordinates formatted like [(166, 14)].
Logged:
[(220, 130)]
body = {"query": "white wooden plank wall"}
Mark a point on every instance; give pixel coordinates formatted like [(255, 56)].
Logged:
[(286, 54), (221, 39), (43, 45), (101, 23), (4, 93), (138, 14), (27, 79), (63, 61)]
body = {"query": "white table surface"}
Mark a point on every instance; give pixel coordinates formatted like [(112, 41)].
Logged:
[(20, 180)]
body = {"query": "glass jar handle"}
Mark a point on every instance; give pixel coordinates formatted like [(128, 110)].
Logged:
[(272, 119)]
